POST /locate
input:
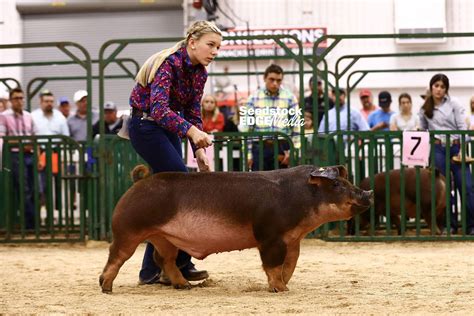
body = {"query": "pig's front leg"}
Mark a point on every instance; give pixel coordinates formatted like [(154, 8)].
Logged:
[(289, 265), (273, 253)]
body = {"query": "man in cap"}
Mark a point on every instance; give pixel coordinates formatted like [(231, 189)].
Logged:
[(357, 122), (113, 124), (368, 106), (78, 122), (380, 119), (308, 101), (64, 107)]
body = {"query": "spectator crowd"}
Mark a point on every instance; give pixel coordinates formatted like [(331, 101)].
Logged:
[(270, 108)]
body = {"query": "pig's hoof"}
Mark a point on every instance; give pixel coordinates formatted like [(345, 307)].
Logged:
[(185, 286), (101, 283), (276, 289)]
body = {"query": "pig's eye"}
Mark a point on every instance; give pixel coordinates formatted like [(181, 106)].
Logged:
[(335, 184)]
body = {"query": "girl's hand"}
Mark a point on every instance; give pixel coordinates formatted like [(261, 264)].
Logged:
[(202, 161), (199, 138)]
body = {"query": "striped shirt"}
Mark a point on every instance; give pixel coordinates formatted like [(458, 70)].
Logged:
[(178, 87), (271, 111), (19, 124), (3, 127)]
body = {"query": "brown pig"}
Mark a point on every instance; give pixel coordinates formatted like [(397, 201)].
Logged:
[(206, 213), (410, 198)]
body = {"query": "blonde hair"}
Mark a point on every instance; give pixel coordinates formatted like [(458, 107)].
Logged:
[(215, 112), (147, 72)]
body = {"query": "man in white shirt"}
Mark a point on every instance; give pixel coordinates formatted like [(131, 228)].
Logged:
[(49, 121)]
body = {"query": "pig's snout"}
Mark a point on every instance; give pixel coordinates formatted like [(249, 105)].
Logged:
[(363, 201), (369, 196)]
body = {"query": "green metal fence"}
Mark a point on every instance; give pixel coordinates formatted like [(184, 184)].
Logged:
[(368, 153), (47, 172), (98, 176)]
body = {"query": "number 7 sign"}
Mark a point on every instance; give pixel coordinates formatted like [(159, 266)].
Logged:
[(416, 148)]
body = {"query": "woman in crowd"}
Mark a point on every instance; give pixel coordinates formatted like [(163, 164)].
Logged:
[(443, 113), (166, 106), (404, 120), (212, 118)]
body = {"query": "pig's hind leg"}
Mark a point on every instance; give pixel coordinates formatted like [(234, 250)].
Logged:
[(120, 251), (273, 254), (165, 256)]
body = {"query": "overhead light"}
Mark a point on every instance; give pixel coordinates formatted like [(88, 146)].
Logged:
[(58, 3)]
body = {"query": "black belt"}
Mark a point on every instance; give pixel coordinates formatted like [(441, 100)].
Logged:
[(141, 114), (138, 112)]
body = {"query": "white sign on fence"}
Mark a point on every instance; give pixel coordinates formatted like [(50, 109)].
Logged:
[(416, 148)]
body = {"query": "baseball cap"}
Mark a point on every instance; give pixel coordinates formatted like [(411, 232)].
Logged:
[(63, 100), (45, 92), (365, 93), (110, 106), (385, 98), (79, 95)]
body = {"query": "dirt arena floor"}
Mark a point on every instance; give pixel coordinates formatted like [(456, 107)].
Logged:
[(331, 278)]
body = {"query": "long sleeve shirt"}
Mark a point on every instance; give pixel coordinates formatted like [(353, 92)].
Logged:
[(271, 113), (218, 125), (177, 87), (448, 116), (358, 123), (17, 124)]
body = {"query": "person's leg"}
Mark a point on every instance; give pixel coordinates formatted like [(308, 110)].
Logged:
[(29, 189), (16, 185), (469, 199), (151, 143), (440, 163), (283, 146), (255, 157), (162, 151), (28, 185), (42, 187), (269, 157)]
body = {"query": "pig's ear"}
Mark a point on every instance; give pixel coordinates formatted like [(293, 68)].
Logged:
[(327, 172), (342, 172)]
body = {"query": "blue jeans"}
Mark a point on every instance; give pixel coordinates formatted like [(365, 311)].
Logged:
[(161, 149), (440, 162), (28, 163), (268, 154)]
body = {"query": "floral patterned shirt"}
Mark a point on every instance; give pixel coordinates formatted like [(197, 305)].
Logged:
[(178, 87)]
